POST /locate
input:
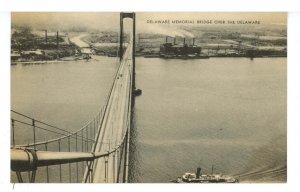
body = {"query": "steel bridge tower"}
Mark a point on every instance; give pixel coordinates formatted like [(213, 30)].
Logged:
[(121, 48)]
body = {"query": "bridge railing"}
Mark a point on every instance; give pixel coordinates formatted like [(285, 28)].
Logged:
[(116, 153)]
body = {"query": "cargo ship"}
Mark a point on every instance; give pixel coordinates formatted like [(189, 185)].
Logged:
[(207, 178), (180, 51)]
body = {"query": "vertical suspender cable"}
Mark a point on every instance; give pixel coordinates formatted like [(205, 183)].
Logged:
[(33, 127), (76, 149), (13, 131), (47, 168), (69, 147), (60, 178), (82, 140), (87, 142), (114, 166)]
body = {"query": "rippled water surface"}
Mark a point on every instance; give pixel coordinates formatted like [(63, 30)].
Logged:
[(226, 112)]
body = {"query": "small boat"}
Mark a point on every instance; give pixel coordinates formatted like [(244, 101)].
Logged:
[(137, 92), (208, 178)]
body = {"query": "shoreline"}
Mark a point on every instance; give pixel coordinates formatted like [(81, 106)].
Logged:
[(39, 62), (66, 59), (61, 61)]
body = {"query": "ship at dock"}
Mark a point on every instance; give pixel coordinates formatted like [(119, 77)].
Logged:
[(205, 178)]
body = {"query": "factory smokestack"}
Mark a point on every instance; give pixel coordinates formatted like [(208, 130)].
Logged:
[(198, 172), (57, 40), (193, 41), (174, 40), (183, 41), (46, 36), (166, 39)]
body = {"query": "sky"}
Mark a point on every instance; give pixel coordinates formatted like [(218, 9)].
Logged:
[(110, 20)]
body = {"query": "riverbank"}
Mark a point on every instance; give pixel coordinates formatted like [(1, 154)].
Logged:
[(65, 59)]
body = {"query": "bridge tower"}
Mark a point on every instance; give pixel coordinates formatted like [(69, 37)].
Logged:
[(121, 49)]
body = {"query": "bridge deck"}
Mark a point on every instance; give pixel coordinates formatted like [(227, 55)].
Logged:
[(115, 121)]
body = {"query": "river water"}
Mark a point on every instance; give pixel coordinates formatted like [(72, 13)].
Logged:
[(227, 112)]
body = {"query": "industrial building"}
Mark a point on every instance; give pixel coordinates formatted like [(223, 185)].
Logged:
[(174, 50)]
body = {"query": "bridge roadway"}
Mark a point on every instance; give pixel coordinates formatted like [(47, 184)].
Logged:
[(115, 120)]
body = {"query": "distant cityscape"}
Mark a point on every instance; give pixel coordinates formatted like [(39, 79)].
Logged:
[(42, 45)]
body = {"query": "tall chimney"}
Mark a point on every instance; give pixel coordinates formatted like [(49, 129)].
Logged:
[(193, 41), (174, 40), (183, 41), (198, 172), (57, 40), (46, 36), (166, 39)]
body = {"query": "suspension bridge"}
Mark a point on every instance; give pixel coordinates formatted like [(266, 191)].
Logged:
[(96, 153)]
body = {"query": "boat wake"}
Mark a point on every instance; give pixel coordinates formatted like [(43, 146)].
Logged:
[(278, 171)]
